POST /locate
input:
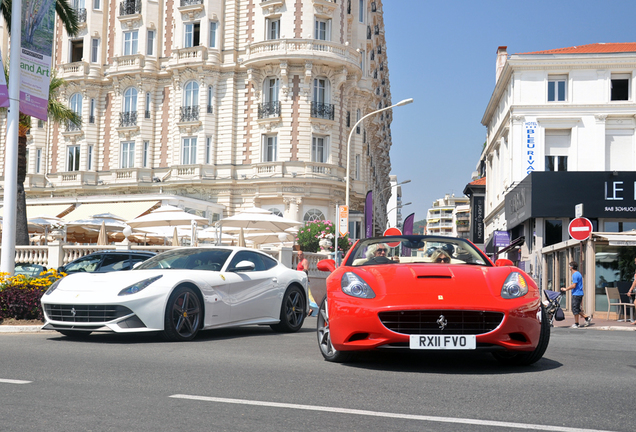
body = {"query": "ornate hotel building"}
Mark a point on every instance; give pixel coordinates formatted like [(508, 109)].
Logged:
[(239, 103)]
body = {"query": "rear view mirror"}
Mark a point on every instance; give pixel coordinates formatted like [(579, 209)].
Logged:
[(327, 265)]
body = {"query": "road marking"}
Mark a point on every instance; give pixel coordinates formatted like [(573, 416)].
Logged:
[(8, 381), (387, 414)]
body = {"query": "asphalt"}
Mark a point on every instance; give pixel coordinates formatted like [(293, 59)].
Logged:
[(598, 323)]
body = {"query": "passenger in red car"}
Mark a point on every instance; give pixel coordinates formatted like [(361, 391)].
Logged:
[(440, 256)]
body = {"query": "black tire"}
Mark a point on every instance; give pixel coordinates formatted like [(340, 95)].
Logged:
[(324, 338), (292, 311), (75, 334), (530, 357), (183, 315)]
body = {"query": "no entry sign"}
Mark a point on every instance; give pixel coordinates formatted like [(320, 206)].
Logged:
[(580, 228), (392, 232)]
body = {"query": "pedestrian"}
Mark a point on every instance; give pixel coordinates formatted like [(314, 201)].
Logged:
[(303, 265), (632, 289), (577, 296)]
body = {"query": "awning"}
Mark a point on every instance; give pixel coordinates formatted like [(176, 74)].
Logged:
[(125, 210), (432, 221), (618, 239), (57, 210)]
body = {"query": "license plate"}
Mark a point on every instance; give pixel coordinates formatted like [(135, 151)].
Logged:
[(440, 342)]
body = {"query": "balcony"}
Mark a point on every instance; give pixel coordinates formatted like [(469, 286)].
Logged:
[(129, 7), (191, 8), (127, 119), (127, 63), (191, 56), (322, 110), (81, 16), (189, 114), (269, 109), (274, 51), (78, 69), (72, 127)]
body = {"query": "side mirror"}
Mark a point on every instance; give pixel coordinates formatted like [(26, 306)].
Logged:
[(244, 266), (503, 262), (60, 269), (137, 264), (327, 265)]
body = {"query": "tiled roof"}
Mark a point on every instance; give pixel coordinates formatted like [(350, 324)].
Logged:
[(479, 182), (597, 48)]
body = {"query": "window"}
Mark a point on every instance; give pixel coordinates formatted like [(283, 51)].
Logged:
[(189, 153), (145, 155), (150, 48), (323, 29), (273, 29), (557, 85), (271, 90), (72, 158), (76, 104), (191, 37), (213, 29), (557, 148), (314, 215), (321, 90), (357, 168), (319, 149), (363, 62), (94, 50), (97, 5), (210, 96), (361, 11), (191, 94), (89, 159), (619, 150), (620, 87), (553, 232), (38, 161), (131, 42), (269, 148), (91, 114), (130, 100), (147, 113), (208, 150), (358, 117), (276, 212), (128, 154), (76, 50)]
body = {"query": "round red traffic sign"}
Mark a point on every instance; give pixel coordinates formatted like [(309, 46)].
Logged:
[(392, 232), (580, 228)]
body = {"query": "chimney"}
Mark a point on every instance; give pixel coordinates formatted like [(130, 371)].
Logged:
[(502, 56)]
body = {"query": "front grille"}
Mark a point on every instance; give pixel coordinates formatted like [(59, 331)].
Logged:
[(458, 322), (85, 313)]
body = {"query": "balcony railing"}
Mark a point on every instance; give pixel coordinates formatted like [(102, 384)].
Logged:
[(269, 109), (81, 15), (72, 127), (210, 109), (129, 7), (128, 119), (189, 113), (191, 2), (322, 110)]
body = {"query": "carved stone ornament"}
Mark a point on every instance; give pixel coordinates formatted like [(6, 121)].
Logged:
[(600, 117), (518, 118), (270, 125)]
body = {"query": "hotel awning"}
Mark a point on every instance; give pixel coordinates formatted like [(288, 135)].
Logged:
[(617, 239), (57, 210), (125, 210)]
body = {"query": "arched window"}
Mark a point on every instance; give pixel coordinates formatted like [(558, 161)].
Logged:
[(130, 100), (76, 104), (276, 212), (191, 94), (314, 215)]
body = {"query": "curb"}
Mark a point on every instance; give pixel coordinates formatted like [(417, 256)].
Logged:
[(20, 329)]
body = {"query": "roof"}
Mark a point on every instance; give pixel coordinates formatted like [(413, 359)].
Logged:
[(597, 48), (479, 182)]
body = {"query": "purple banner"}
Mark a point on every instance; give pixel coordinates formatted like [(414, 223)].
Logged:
[(407, 229), (368, 215), (38, 22), (4, 92), (502, 238)]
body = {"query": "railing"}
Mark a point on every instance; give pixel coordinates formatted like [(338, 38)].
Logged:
[(210, 109), (322, 110), (128, 119), (282, 47), (269, 109), (81, 15), (129, 7), (72, 127), (189, 113), (191, 2)]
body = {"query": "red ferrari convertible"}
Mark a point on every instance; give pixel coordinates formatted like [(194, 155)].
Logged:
[(430, 293)]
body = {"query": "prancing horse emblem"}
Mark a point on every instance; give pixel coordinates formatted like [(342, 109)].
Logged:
[(73, 311), (442, 322)]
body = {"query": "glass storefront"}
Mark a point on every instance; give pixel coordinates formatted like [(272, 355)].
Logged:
[(613, 269)]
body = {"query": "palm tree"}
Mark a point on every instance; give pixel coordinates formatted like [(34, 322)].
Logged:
[(57, 112)]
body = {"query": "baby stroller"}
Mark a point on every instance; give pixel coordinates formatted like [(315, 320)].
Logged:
[(553, 306)]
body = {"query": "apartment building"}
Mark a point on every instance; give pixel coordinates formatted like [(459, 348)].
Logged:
[(240, 103), (442, 219)]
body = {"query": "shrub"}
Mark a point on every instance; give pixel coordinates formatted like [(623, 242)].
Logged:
[(20, 295), (309, 236)]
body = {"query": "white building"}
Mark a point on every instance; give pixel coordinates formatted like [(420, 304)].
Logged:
[(237, 102), (441, 219), (395, 204), (560, 132)]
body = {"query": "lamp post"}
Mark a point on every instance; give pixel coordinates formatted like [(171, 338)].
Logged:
[(403, 102), (395, 208)]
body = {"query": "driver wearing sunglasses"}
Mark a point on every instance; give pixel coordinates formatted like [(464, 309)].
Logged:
[(440, 256)]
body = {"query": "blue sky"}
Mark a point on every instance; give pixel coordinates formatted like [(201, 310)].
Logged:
[(442, 54)]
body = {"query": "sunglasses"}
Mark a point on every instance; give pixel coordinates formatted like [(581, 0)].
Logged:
[(442, 260)]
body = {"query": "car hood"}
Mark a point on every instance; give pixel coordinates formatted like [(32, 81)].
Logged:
[(103, 282)]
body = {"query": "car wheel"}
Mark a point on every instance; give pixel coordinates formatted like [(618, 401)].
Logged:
[(292, 311), (530, 357), (324, 337), (183, 315), (75, 334)]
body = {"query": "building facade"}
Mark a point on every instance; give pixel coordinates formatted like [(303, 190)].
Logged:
[(238, 102), (449, 216), (560, 132)]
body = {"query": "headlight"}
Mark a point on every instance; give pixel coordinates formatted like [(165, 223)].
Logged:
[(514, 287), (52, 287), (354, 286), (136, 287)]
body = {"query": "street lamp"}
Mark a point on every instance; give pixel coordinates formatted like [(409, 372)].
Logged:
[(404, 102), (395, 208)]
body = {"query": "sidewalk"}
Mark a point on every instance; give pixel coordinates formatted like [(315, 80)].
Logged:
[(598, 323)]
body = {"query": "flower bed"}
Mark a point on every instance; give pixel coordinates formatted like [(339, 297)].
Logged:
[(20, 295), (310, 235)]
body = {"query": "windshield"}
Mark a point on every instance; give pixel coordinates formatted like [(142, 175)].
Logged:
[(188, 259), (416, 249)]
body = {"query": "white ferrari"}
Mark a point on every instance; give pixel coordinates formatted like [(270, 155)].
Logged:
[(180, 292)]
